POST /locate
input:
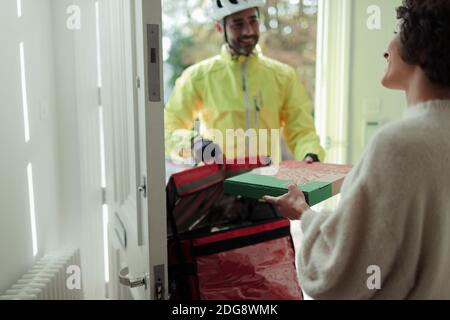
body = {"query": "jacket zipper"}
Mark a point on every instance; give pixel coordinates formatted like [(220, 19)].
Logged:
[(247, 100)]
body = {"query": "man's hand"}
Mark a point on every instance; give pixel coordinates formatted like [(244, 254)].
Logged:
[(311, 157), (308, 159), (207, 151), (292, 204)]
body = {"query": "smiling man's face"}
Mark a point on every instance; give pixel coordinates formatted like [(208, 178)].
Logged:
[(243, 30)]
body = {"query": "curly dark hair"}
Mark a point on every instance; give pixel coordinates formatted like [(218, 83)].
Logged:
[(425, 35)]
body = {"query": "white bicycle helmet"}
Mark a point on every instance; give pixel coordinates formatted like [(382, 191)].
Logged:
[(221, 8)]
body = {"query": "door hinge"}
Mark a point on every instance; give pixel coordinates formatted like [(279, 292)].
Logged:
[(138, 82)]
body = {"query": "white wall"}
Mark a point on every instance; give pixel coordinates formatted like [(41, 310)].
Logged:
[(367, 69), (34, 28), (67, 126)]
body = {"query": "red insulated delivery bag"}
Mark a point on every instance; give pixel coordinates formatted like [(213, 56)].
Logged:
[(223, 247)]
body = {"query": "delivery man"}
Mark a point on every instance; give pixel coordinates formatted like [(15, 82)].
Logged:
[(240, 91)]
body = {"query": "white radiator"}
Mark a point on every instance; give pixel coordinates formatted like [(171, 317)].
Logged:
[(47, 279)]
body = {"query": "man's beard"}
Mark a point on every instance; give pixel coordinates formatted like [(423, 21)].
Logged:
[(245, 48)]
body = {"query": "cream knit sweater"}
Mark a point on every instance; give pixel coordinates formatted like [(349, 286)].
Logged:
[(394, 214)]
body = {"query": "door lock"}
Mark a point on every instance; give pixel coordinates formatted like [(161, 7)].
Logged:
[(143, 187)]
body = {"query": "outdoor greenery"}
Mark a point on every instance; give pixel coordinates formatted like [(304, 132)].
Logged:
[(288, 34)]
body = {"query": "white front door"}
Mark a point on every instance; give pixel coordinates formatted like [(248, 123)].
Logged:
[(131, 93)]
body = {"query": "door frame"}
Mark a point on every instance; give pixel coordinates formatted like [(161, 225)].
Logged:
[(333, 78), (129, 37), (154, 216)]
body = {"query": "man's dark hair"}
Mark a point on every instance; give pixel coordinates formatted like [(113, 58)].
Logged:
[(425, 34)]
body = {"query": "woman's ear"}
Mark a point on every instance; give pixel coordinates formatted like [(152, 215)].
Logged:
[(219, 27)]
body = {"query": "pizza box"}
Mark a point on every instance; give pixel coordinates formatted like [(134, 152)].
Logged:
[(318, 181)]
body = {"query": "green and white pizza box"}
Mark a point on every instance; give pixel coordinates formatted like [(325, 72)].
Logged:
[(318, 181)]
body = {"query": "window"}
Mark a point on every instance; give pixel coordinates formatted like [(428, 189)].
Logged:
[(288, 34)]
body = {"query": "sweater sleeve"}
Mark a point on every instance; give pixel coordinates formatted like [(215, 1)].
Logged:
[(340, 249)]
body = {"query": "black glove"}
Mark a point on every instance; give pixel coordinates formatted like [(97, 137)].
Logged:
[(206, 151), (311, 157)]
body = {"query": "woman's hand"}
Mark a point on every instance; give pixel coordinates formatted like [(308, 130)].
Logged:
[(292, 204)]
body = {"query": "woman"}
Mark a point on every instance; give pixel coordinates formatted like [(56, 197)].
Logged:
[(389, 238)]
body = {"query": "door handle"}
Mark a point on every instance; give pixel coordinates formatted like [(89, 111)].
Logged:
[(125, 280)]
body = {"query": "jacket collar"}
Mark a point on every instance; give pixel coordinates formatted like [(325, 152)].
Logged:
[(226, 54)]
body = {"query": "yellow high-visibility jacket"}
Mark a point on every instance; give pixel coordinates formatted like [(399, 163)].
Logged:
[(238, 92)]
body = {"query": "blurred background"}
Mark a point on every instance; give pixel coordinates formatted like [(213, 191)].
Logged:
[(288, 34)]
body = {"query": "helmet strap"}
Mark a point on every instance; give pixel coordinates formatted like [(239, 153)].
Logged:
[(225, 30), (225, 33), (226, 37)]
